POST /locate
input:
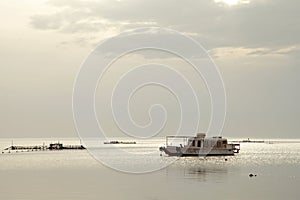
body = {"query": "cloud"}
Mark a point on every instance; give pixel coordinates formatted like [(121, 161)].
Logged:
[(238, 52), (232, 2), (47, 22), (258, 23), (70, 21)]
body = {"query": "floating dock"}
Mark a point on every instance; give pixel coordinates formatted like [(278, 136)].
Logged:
[(51, 146), (119, 142), (249, 141)]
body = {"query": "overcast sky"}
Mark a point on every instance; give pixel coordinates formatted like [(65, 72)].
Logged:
[(255, 44)]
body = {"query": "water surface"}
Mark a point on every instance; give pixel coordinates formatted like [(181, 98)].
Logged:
[(75, 174)]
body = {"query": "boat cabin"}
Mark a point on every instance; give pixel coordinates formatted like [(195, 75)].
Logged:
[(201, 142), (56, 146)]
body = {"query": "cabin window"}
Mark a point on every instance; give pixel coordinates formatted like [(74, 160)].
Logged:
[(199, 143), (193, 143), (224, 142), (205, 143), (218, 144)]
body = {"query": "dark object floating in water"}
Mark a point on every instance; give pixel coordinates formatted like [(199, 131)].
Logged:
[(119, 142), (251, 175), (225, 159), (52, 146)]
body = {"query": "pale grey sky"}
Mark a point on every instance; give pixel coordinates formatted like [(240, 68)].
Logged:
[(255, 43)]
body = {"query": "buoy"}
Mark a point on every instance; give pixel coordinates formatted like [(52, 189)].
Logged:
[(251, 175), (225, 159)]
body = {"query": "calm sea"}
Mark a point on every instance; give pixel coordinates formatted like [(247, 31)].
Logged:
[(75, 174)]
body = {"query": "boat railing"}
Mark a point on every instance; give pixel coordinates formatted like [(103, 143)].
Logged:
[(172, 140)]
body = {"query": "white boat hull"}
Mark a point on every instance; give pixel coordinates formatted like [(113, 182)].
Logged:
[(177, 151)]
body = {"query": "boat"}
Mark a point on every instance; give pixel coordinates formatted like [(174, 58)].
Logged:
[(200, 145), (60, 146)]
